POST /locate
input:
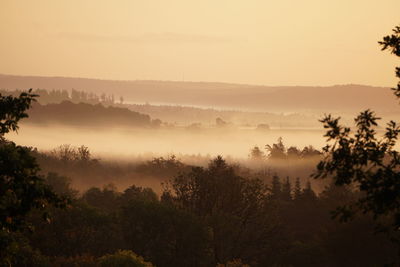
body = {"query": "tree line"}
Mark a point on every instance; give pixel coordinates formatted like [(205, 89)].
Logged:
[(56, 96), (204, 217)]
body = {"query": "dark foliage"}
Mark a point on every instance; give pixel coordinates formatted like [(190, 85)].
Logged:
[(87, 115), (12, 109), (210, 215), (365, 161), (22, 189)]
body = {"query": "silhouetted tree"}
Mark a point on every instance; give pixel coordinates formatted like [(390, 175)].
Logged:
[(234, 209), (83, 153), (256, 154), (293, 152), (308, 193), (22, 189), (364, 160), (276, 187), (165, 167), (65, 153), (310, 151), (297, 188), (277, 150), (286, 190)]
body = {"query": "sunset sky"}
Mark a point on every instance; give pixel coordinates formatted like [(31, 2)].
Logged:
[(286, 42)]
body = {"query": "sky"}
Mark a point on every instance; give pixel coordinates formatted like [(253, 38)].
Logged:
[(285, 42)]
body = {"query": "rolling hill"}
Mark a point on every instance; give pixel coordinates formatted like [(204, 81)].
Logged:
[(337, 98)]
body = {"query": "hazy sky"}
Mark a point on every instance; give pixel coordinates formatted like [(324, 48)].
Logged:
[(280, 42)]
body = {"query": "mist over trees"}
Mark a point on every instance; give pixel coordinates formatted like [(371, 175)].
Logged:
[(204, 216), (68, 207), (219, 214), (172, 114), (211, 215)]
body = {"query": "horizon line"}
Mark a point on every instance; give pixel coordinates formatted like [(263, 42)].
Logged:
[(184, 81)]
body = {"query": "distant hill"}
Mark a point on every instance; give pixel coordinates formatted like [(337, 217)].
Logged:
[(84, 114), (222, 95)]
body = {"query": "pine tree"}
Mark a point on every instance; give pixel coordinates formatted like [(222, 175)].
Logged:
[(276, 189), (297, 189), (308, 193), (256, 154), (287, 190)]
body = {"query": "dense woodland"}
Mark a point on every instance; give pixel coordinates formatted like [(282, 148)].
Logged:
[(205, 216), (218, 213), (84, 169)]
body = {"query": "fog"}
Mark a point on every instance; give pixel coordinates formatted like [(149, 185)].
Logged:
[(195, 133), (133, 142)]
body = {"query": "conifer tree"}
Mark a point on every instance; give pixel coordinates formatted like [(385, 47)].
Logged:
[(287, 190), (297, 189), (276, 188)]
